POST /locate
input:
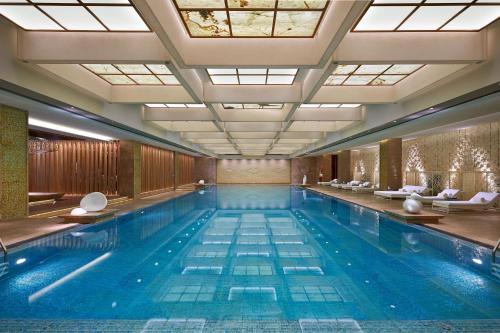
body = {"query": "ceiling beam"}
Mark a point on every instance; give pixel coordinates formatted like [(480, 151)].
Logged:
[(177, 114), (411, 47), (44, 47), (354, 114)]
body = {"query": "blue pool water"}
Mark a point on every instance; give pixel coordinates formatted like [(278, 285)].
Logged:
[(250, 253)]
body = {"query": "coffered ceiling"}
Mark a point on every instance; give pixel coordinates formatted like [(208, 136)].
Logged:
[(251, 78)]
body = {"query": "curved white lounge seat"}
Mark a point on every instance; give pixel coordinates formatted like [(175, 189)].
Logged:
[(337, 185), (403, 192), (481, 201), (444, 195), (94, 202)]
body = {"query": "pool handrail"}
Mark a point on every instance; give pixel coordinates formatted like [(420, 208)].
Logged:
[(494, 251)]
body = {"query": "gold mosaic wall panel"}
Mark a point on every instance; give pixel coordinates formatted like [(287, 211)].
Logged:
[(365, 165), (467, 159), (13, 163), (253, 171)]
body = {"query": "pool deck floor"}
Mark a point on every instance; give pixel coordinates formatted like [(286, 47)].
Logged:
[(478, 227), (14, 232)]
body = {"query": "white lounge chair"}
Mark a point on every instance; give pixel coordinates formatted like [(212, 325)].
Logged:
[(333, 181), (338, 185), (350, 185), (403, 192), (481, 201), (444, 195), (368, 189)]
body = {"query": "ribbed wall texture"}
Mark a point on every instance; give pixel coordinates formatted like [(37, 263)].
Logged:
[(184, 169), (73, 167), (157, 169)]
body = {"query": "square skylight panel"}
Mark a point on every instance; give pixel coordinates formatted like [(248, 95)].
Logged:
[(251, 18), (73, 15), (257, 76), (376, 75), (142, 74), (429, 15), (229, 106)]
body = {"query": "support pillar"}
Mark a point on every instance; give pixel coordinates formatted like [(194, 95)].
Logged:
[(345, 171), (13, 163), (129, 169), (390, 164)]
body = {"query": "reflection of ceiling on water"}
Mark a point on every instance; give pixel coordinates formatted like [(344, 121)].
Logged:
[(237, 197)]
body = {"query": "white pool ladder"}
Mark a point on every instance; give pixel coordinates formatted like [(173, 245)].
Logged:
[(4, 248), (494, 251)]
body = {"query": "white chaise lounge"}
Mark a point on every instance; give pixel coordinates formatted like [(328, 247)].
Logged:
[(448, 194), (481, 201), (333, 181), (338, 185), (351, 184), (403, 192), (367, 189)]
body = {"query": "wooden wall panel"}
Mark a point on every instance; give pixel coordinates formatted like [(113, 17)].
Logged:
[(157, 169), (305, 166), (184, 169), (75, 167), (204, 168), (344, 166), (325, 167)]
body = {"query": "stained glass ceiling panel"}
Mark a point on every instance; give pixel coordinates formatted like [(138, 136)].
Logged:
[(373, 75), (429, 15), (251, 18), (73, 15), (130, 74)]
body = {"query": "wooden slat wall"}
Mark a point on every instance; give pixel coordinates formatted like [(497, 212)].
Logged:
[(157, 169), (184, 169), (77, 167)]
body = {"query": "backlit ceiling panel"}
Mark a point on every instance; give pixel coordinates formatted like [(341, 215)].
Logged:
[(370, 75), (73, 15), (264, 76), (251, 18), (252, 106), (428, 15), (133, 74)]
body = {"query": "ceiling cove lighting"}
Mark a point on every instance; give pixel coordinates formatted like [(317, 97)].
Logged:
[(187, 106), (66, 129), (134, 74), (265, 19), (428, 15), (255, 76), (73, 15), (324, 106), (370, 75), (251, 106)]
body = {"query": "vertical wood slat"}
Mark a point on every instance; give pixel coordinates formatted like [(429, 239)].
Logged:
[(155, 170), (184, 169), (77, 167)]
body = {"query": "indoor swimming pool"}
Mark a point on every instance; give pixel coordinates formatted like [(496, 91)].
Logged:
[(261, 255)]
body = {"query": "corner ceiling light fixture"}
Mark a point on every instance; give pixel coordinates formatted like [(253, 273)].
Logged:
[(252, 76), (73, 15), (326, 106), (262, 18), (229, 106), (370, 75), (162, 105), (429, 15), (66, 129)]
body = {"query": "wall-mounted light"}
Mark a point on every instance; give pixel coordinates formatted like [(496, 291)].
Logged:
[(66, 129)]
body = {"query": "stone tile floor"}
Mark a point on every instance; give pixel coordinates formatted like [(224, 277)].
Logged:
[(229, 326)]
